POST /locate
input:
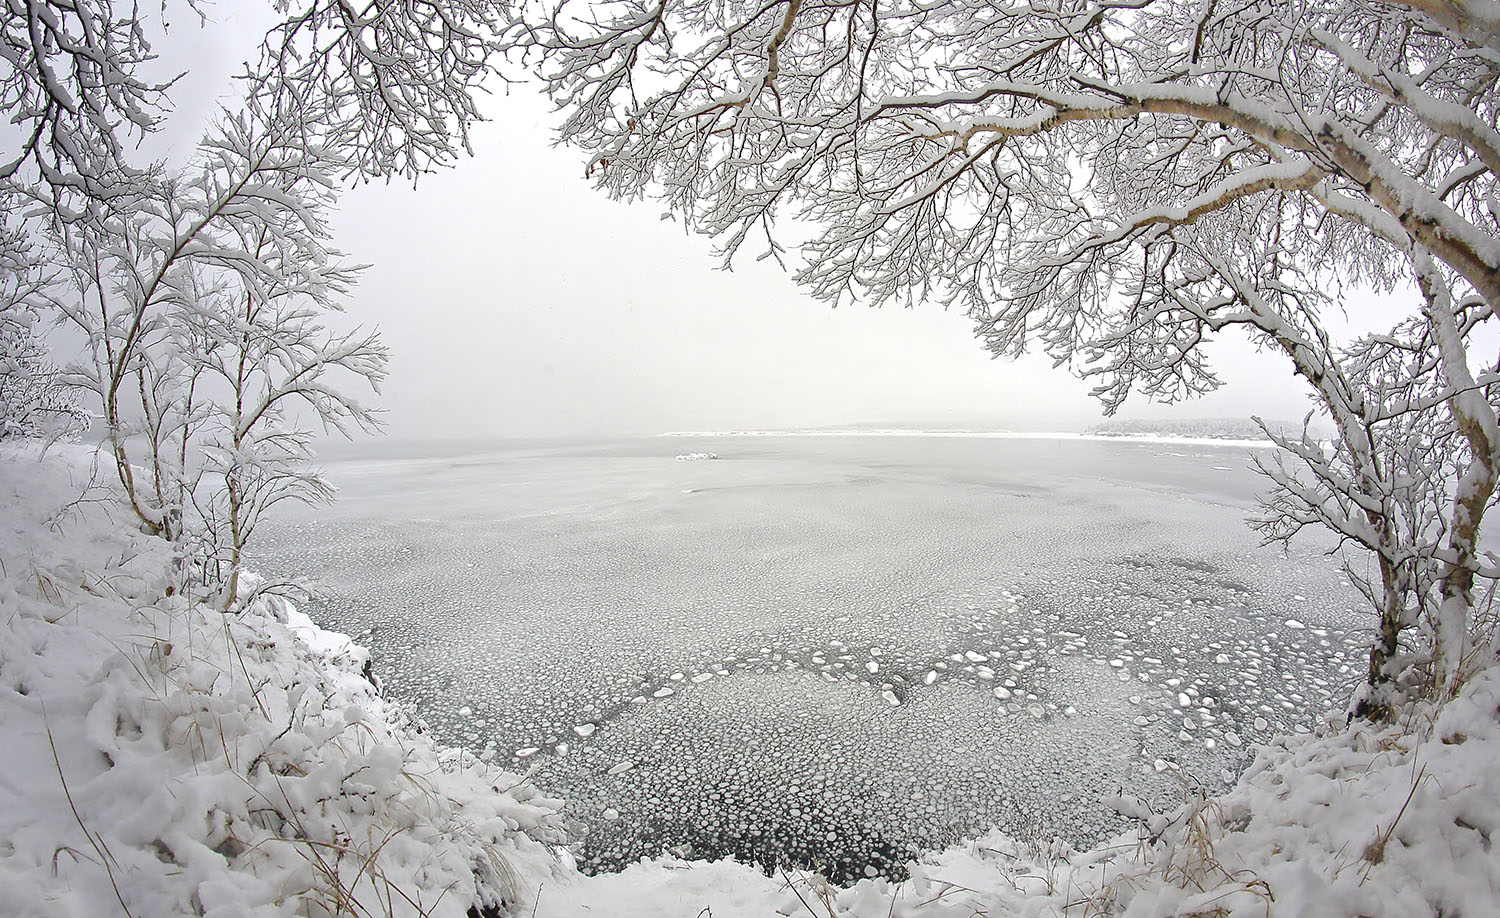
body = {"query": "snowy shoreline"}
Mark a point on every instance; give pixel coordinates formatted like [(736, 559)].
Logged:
[(162, 759), (166, 760)]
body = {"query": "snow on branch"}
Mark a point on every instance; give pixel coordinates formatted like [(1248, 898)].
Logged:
[(393, 86), (1113, 184)]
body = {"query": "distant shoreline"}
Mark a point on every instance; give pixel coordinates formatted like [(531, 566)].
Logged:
[(1165, 439)]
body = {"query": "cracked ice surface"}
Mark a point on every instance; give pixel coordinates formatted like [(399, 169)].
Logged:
[(833, 651)]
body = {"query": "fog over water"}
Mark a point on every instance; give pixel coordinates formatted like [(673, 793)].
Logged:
[(831, 650)]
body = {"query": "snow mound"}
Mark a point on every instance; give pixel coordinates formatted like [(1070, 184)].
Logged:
[(161, 759), (695, 457)]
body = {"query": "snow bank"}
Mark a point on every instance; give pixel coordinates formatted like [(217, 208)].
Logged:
[(164, 760)]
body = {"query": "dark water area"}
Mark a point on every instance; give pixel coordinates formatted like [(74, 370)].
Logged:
[(832, 651)]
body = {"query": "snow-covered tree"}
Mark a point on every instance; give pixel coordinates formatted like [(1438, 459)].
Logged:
[(396, 84), (1385, 484), (34, 401), (131, 272), (267, 365), (202, 292), (72, 89), (204, 310), (1110, 183)]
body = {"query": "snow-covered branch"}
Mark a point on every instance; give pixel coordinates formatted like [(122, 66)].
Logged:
[(1114, 184)]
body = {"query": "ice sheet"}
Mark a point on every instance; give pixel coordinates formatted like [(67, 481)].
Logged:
[(770, 654)]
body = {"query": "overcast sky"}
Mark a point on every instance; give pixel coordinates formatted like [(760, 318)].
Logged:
[(517, 301)]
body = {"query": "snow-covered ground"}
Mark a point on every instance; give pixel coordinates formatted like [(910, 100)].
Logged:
[(157, 760)]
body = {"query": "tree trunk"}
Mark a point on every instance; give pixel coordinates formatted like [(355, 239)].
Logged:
[(236, 544), (1476, 422), (1376, 701), (1345, 405)]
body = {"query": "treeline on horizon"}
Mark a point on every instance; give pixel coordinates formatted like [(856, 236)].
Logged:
[(1208, 428)]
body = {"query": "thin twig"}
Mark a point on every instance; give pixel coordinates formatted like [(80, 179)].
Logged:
[(103, 851)]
